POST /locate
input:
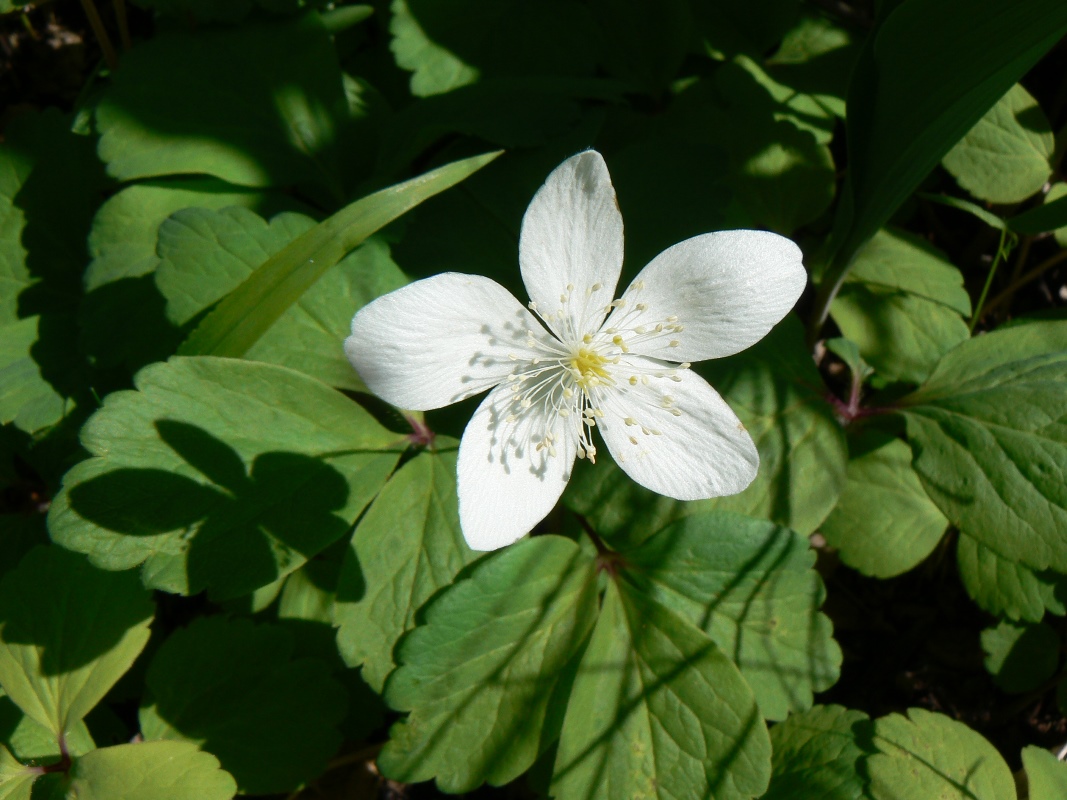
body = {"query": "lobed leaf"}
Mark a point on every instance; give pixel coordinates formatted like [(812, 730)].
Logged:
[(149, 771), (817, 756), (485, 676), (1003, 586), (220, 474), (658, 711), (1021, 656), (407, 547), (68, 632)]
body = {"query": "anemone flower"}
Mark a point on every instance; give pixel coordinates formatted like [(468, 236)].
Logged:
[(577, 359)]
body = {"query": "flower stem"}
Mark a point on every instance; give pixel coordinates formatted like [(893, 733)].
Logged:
[(1002, 252), (1032, 275)]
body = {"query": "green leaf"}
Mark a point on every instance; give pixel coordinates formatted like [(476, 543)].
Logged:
[(407, 547), (753, 27), (32, 742), (1051, 216), (26, 398), (235, 689), (122, 316), (930, 755), (901, 124), (785, 103), (817, 57), (482, 675), (657, 711), (16, 781), (778, 394), (206, 254), (884, 524), (1046, 774), (643, 44), (1003, 586), (247, 312), (989, 439), (220, 474), (817, 756), (849, 352), (1005, 156), (436, 69), (201, 10), (903, 304), (751, 587), (68, 632), (1021, 656), (260, 105), (149, 771)]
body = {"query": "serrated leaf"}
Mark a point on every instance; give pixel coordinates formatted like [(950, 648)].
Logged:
[(1020, 656), (884, 524), (68, 632), (259, 106), (246, 313), (750, 586), (407, 547), (930, 755), (1004, 158), (1045, 774), (235, 689), (481, 676), (1050, 216), (1003, 586), (657, 711), (149, 771), (122, 316), (989, 434), (903, 305), (220, 474), (775, 390), (817, 756), (16, 781), (206, 254)]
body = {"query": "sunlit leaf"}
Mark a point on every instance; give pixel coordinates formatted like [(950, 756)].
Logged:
[(149, 771), (817, 756), (1021, 656), (1005, 586), (1046, 774)]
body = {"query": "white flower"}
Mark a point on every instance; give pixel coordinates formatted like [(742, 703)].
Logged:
[(590, 362)]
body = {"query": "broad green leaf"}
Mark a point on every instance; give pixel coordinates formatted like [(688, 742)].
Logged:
[(406, 548), (484, 677), (1046, 774), (450, 45), (247, 312), (1003, 586), (752, 27), (1051, 216), (16, 781), (1021, 656), (657, 711), (884, 524), (21, 532), (989, 436), (220, 474), (930, 755), (816, 57), (817, 756), (31, 742), (901, 124), (642, 43), (26, 398), (903, 304), (205, 254), (122, 316), (785, 103), (235, 689), (149, 771), (68, 632), (777, 393), (260, 105), (201, 11), (1004, 158), (751, 587)]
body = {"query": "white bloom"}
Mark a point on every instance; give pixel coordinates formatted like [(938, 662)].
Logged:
[(590, 362)]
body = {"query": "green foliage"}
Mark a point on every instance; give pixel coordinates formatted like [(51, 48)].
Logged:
[(988, 433), (220, 474), (149, 771), (884, 523), (1004, 586), (481, 676), (406, 548), (1021, 656), (67, 633), (1046, 774), (817, 756), (1005, 156), (235, 689)]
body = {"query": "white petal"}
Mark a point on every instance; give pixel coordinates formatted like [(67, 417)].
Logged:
[(439, 340), (727, 290), (506, 484), (704, 452), (572, 236)]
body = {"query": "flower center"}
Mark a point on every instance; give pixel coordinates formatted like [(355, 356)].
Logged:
[(588, 366)]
